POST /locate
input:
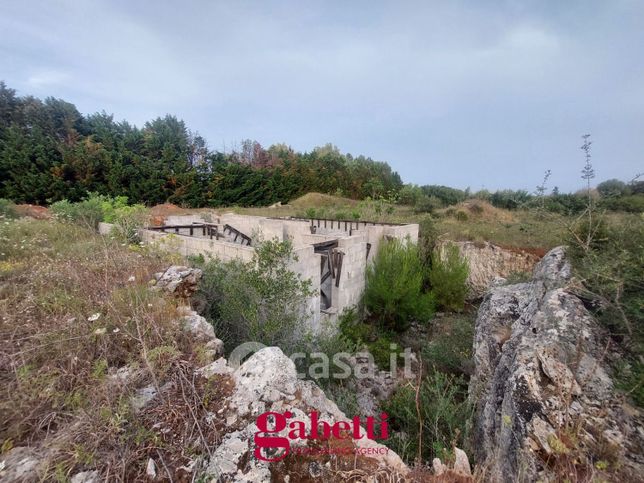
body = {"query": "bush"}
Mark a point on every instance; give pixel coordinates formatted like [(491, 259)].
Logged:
[(409, 195), (509, 199), (261, 300), (127, 222), (88, 212), (565, 204), (450, 349), (96, 208), (7, 209), (612, 187), (629, 204), (461, 216), (448, 276), (444, 417), (427, 237), (448, 196), (394, 282), (427, 204), (612, 272)]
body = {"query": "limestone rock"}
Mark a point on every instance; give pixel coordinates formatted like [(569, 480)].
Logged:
[(151, 469), (438, 467), (489, 264), (86, 477), (21, 464), (197, 325), (371, 385), (178, 280), (268, 381), (539, 365), (461, 462), (218, 367)]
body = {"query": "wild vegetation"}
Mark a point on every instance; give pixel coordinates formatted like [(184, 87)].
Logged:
[(75, 306), (260, 300)]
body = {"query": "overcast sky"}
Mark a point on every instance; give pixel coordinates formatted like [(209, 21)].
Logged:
[(463, 93)]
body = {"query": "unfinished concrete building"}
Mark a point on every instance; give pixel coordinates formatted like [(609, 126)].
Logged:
[(332, 254)]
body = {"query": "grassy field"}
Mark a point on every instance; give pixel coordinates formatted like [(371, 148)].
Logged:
[(74, 308), (472, 220)]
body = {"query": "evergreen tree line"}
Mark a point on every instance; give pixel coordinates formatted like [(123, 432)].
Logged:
[(49, 151)]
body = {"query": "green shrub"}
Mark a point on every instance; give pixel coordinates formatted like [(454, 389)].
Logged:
[(461, 216), (353, 329), (629, 204), (448, 277), (450, 349), (381, 350), (427, 204), (112, 207), (427, 237), (96, 208), (261, 300), (630, 379), (394, 287), (447, 196), (587, 234), (88, 212), (127, 222), (509, 199), (444, 416), (7, 209), (611, 272), (409, 194)]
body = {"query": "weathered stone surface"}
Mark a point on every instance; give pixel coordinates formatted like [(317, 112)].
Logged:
[(21, 464), (198, 326), (371, 385), (541, 372), (86, 477), (268, 381), (489, 264), (178, 280), (461, 462)]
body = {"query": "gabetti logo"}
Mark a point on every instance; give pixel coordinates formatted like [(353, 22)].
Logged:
[(271, 448)]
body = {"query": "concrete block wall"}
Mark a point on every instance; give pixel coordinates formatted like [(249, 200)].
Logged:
[(352, 275), (186, 219), (354, 248), (187, 245), (254, 225), (307, 266)]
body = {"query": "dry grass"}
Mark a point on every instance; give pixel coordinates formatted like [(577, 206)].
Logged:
[(74, 308), (321, 200)]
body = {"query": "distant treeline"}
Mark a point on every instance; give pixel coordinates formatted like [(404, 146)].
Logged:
[(612, 194), (49, 151)]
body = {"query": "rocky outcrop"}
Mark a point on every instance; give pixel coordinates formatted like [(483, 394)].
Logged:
[(178, 280), (542, 388), (461, 466), (373, 386), (268, 381), (488, 262), (202, 331)]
